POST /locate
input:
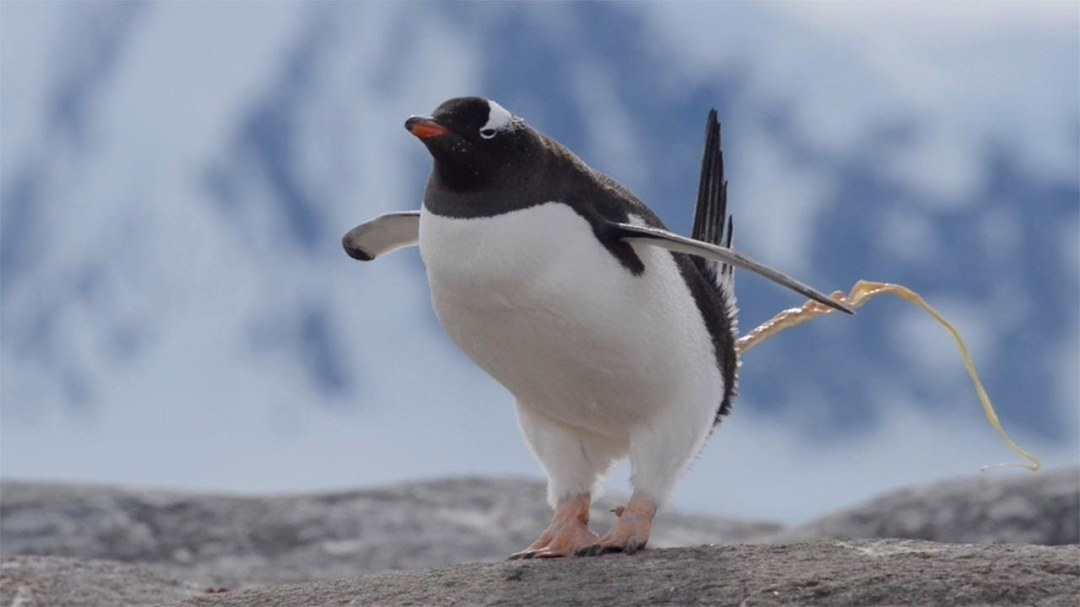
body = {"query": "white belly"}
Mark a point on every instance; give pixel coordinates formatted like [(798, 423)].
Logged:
[(535, 300)]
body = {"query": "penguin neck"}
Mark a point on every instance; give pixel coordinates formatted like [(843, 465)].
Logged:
[(458, 190), (457, 177), (462, 197), (471, 197)]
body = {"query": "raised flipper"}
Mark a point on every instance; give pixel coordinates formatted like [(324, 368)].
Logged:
[(382, 235), (681, 244)]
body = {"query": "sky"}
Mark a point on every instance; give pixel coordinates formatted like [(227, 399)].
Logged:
[(175, 178)]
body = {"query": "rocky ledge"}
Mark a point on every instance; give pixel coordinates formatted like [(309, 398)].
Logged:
[(239, 542), (963, 542), (822, 572)]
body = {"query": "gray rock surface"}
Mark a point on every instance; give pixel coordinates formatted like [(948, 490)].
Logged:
[(49, 581), (824, 572), (994, 507), (185, 543), (237, 542)]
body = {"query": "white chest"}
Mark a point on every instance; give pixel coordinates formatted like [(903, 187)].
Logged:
[(536, 301)]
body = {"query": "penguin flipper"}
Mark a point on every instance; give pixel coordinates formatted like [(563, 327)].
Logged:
[(382, 235), (681, 244)]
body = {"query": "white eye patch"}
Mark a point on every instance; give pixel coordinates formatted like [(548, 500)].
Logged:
[(498, 119)]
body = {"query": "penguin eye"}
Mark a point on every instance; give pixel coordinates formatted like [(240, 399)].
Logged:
[(487, 133)]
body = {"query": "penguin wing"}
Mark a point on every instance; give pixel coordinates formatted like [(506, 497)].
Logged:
[(382, 235), (681, 244)]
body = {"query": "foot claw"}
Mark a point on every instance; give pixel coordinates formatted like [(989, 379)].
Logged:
[(597, 550)]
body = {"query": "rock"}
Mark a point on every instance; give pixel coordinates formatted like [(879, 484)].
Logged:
[(45, 581), (823, 572), (1041, 508), (240, 542)]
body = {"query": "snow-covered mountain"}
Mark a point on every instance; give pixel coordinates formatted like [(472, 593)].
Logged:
[(176, 308)]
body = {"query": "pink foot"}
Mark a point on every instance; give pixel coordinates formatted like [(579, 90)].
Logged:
[(630, 533), (568, 533)]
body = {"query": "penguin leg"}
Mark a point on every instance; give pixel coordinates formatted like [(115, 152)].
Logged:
[(659, 452), (575, 461)]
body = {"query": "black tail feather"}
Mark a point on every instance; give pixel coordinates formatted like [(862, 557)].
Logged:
[(710, 215), (713, 225)]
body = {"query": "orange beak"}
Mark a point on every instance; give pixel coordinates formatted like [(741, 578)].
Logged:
[(425, 128)]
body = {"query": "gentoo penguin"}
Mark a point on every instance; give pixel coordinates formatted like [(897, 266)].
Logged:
[(615, 336)]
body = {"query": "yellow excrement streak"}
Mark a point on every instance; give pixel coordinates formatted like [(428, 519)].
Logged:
[(863, 292)]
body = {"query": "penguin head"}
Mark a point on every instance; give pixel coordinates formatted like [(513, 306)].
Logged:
[(475, 142)]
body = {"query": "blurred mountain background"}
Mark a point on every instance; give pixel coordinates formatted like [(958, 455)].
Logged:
[(175, 179)]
